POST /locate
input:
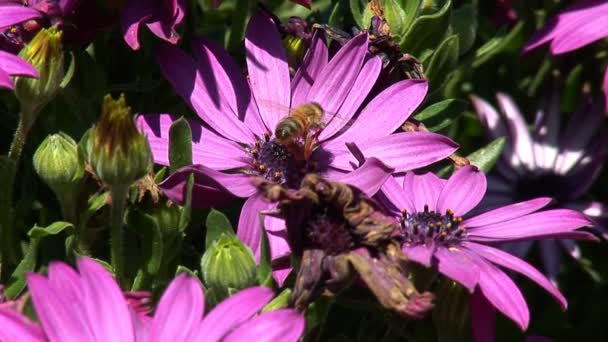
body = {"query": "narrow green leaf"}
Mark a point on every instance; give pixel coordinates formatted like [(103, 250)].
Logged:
[(160, 175), (486, 157), (180, 144), (499, 44), (572, 89), (439, 115), (427, 31), (443, 62), (264, 269), (183, 269), (217, 224), (69, 73), (395, 16), (464, 24), (95, 202), (53, 229), (186, 213), (356, 9), (16, 282), (410, 9), (152, 242), (279, 302)]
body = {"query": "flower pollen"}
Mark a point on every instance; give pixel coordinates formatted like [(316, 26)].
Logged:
[(421, 227)]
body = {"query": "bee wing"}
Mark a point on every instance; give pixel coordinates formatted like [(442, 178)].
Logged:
[(328, 117)]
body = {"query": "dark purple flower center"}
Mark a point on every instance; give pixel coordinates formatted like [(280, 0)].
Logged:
[(426, 226), (276, 162), (551, 185), (329, 233)]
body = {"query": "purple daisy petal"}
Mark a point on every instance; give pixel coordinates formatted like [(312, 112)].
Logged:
[(385, 113), (605, 88), (504, 295), (181, 71), (235, 89), (458, 266), (15, 65), (104, 303), (16, 327), (215, 151), (483, 317), (363, 85), (425, 189), (368, 178), (541, 224), (338, 77), (135, 14), (179, 310), (398, 198), (420, 253), (511, 262), (211, 187), (489, 118), (521, 139), (314, 61), (249, 228), (546, 131), (268, 69), (11, 15), (463, 191), (6, 81), (232, 312), (280, 325), (403, 151), (507, 212)]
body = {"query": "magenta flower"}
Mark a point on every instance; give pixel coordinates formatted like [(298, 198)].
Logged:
[(548, 161), (578, 25), (435, 234), (161, 17), (240, 118), (88, 306), (11, 65)]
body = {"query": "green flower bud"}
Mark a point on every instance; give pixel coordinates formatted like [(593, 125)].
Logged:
[(294, 47), (45, 53), (56, 161), (228, 265), (118, 153)]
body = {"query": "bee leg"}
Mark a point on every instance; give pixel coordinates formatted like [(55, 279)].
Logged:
[(309, 144)]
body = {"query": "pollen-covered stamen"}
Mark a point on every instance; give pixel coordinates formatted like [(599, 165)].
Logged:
[(427, 226), (274, 161)]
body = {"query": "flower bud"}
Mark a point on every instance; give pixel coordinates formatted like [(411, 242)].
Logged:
[(294, 47), (45, 53), (118, 153), (228, 265), (56, 161)]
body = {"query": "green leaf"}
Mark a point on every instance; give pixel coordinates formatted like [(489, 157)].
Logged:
[(16, 282), (265, 269), (356, 9), (279, 302), (186, 213), (152, 242), (464, 24), (499, 44), (487, 156), (441, 114), (53, 229), (443, 62), (95, 202), (69, 73), (395, 16), (217, 224), (160, 175), (410, 8), (183, 269), (180, 144), (336, 18), (427, 31), (317, 312), (572, 89)]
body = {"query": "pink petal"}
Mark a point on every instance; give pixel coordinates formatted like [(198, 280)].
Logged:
[(181, 71), (285, 325), (338, 77), (587, 27), (268, 70), (395, 194), (179, 311), (513, 263), (500, 290), (463, 191), (507, 212), (232, 312), (104, 304), (419, 253), (458, 266), (16, 327), (403, 151), (215, 62), (541, 224), (11, 15), (136, 13), (605, 88), (277, 240), (314, 61), (368, 178), (15, 65), (249, 229), (521, 139), (208, 148), (6, 81), (489, 118), (386, 112), (425, 189)]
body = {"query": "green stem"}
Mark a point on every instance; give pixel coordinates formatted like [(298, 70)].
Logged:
[(119, 198), (14, 153), (68, 211)]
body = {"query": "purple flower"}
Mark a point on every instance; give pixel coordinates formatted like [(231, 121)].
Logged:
[(88, 306), (240, 116), (579, 25), (435, 234), (11, 65), (161, 17), (548, 161)]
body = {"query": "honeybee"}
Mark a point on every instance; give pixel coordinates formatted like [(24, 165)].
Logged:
[(304, 122)]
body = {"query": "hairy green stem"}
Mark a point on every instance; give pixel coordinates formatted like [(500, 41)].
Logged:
[(119, 198)]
